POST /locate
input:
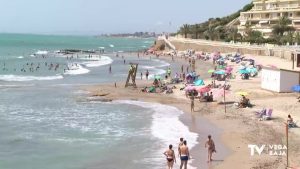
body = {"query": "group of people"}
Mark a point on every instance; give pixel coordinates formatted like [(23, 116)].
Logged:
[(184, 153)]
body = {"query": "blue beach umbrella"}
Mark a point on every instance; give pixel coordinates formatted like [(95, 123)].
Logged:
[(244, 71), (296, 88), (199, 82), (252, 70)]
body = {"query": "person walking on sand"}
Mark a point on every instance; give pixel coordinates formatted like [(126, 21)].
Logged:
[(147, 74), (170, 155), (192, 103), (184, 155), (211, 148)]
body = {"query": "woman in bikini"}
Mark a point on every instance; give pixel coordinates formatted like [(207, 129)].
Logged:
[(210, 145), (170, 154)]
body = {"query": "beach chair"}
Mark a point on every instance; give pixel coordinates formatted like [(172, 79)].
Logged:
[(268, 116), (261, 113), (293, 124)]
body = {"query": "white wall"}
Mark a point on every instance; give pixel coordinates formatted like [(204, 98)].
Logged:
[(270, 80), (288, 80)]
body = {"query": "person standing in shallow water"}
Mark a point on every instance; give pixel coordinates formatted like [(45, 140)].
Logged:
[(184, 155), (109, 69), (211, 148), (170, 155)]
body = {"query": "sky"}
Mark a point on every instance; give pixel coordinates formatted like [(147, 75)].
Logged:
[(93, 17)]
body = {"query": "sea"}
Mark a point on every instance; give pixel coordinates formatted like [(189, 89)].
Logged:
[(45, 123)]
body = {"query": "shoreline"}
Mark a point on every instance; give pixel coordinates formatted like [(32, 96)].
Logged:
[(192, 121), (250, 130)]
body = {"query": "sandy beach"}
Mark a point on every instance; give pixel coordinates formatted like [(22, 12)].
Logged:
[(233, 131)]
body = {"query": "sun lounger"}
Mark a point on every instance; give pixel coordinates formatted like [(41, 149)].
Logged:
[(261, 113), (268, 116), (293, 125)]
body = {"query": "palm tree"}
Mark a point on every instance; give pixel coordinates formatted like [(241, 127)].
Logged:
[(297, 38), (196, 29), (282, 26), (210, 33), (233, 33), (185, 30)]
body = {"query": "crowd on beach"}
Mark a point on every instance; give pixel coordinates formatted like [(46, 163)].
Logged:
[(226, 67)]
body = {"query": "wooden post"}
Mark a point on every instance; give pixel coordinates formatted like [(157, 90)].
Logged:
[(224, 99), (293, 60), (287, 144)]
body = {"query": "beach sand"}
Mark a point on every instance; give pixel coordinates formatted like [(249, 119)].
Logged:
[(235, 129)]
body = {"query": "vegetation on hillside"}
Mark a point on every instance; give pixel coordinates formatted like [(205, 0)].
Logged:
[(214, 28), (220, 29)]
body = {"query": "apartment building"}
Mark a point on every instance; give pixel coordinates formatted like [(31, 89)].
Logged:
[(266, 13)]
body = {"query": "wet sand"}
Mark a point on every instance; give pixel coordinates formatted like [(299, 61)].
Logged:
[(234, 130)]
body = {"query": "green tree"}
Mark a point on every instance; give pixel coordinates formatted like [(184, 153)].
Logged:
[(281, 28), (185, 30), (255, 37), (297, 38), (196, 30), (232, 33)]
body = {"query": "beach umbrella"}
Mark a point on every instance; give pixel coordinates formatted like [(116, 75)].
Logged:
[(243, 71), (219, 92), (242, 93), (203, 89), (229, 68), (199, 82), (296, 88), (189, 88), (252, 70), (220, 72), (210, 71), (158, 77)]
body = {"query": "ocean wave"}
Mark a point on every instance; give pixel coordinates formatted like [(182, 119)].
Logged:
[(104, 60), (20, 57), (162, 63), (76, 69), (166, 125), (19, 78), (41, 52), (153, 71)]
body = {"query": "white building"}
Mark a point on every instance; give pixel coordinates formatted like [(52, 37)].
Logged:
[(279, 80), (266, 13)]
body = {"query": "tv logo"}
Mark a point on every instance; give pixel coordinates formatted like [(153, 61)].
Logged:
[(272, 150), (256, 148)]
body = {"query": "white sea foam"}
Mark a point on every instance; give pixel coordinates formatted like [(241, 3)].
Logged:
[(148, 42), (76, 69), (156, 72), (162, 63), (166, 125), (20, 57), (111, 45), (41, 52), (104, 60), (19, 78)]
